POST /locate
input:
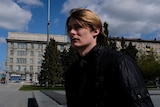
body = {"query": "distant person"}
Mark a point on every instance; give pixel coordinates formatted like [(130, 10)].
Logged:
[(101, 77)]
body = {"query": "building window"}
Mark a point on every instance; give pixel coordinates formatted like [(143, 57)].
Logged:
[(39, 68), (10, 67), (32, 46), (31, 53), (21, 60), (39, 61), (31, 68), (148, 48), (31, 61), (18, 68), (23, 68), (11, 60), (40, 46), (61, 47), (21, 52), (40, 53), (12, 45), (22, 45), (11, 52)]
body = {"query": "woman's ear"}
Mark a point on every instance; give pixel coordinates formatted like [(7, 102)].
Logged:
[(96, 32)]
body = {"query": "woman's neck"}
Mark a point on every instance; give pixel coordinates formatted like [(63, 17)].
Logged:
[(83, 51)]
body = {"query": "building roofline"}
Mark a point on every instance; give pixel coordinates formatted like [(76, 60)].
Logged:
[(135, 39), (21, 36)]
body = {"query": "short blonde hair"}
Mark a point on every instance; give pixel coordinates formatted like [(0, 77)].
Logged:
[(87, 18)]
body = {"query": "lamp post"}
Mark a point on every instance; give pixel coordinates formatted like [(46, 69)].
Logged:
[(46, 81), (48, 31), (48, 23), (34, 77)]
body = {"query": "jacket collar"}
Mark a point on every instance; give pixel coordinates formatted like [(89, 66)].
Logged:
[(92, 54)]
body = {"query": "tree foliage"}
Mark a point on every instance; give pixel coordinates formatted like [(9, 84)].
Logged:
[(106, 31), (68, 57), (129, 49), (109, 43), (51, 69), (132, 51), (123, 45), (149, 65)]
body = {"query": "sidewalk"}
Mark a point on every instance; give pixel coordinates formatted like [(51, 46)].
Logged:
[(155, 96), (58, 96), (43, 100), (50, 98), (154, 92)]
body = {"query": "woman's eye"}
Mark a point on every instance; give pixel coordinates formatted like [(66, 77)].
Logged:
[(77, 27)]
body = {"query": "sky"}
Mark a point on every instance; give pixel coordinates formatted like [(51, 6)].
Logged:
[(127, 18)]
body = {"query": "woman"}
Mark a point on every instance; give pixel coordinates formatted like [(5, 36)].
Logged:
[(101, 76)]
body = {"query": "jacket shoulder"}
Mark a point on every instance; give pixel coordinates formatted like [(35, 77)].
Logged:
[(111, 54)]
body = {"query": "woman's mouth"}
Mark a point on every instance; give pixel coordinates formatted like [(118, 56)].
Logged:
[(74, 39)]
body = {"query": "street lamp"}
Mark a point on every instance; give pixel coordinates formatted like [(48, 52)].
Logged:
[(48, 23), (46, 81)]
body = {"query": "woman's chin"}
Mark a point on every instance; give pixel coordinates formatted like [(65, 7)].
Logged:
[(76, 45)]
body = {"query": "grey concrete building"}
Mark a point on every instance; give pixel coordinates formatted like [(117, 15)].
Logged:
[(141, 45), (24, 54), (25, 50)]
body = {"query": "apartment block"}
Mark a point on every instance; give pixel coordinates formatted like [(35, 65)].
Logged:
[(24, 54), (141, 44)]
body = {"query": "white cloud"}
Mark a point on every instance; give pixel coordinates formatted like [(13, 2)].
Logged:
[(13, 16), (123, 16), (31, 2)]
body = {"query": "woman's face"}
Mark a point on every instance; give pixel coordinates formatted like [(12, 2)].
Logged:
[(81, 37)]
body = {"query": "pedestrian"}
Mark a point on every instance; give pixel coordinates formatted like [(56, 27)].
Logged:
[(101, 77)]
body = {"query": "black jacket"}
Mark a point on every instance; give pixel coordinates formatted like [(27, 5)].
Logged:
[(103, 78)]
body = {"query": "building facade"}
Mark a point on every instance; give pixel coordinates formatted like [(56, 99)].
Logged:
[(141, 45), (25, 50), (25, 53)]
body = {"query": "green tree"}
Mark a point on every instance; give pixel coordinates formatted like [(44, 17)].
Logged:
[(131, 50), (108, 42), (123, 45), (106, 31), (149, 65), (68, 57), (113, 44), (51, 69), (64, 59)]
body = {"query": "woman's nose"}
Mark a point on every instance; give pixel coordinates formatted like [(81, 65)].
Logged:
[(72, 31)]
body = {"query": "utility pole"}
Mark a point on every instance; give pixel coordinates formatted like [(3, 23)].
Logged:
[(48, 31), (48, 23)]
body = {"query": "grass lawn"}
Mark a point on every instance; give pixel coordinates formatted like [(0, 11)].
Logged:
[(153, 88), (33, 87)]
